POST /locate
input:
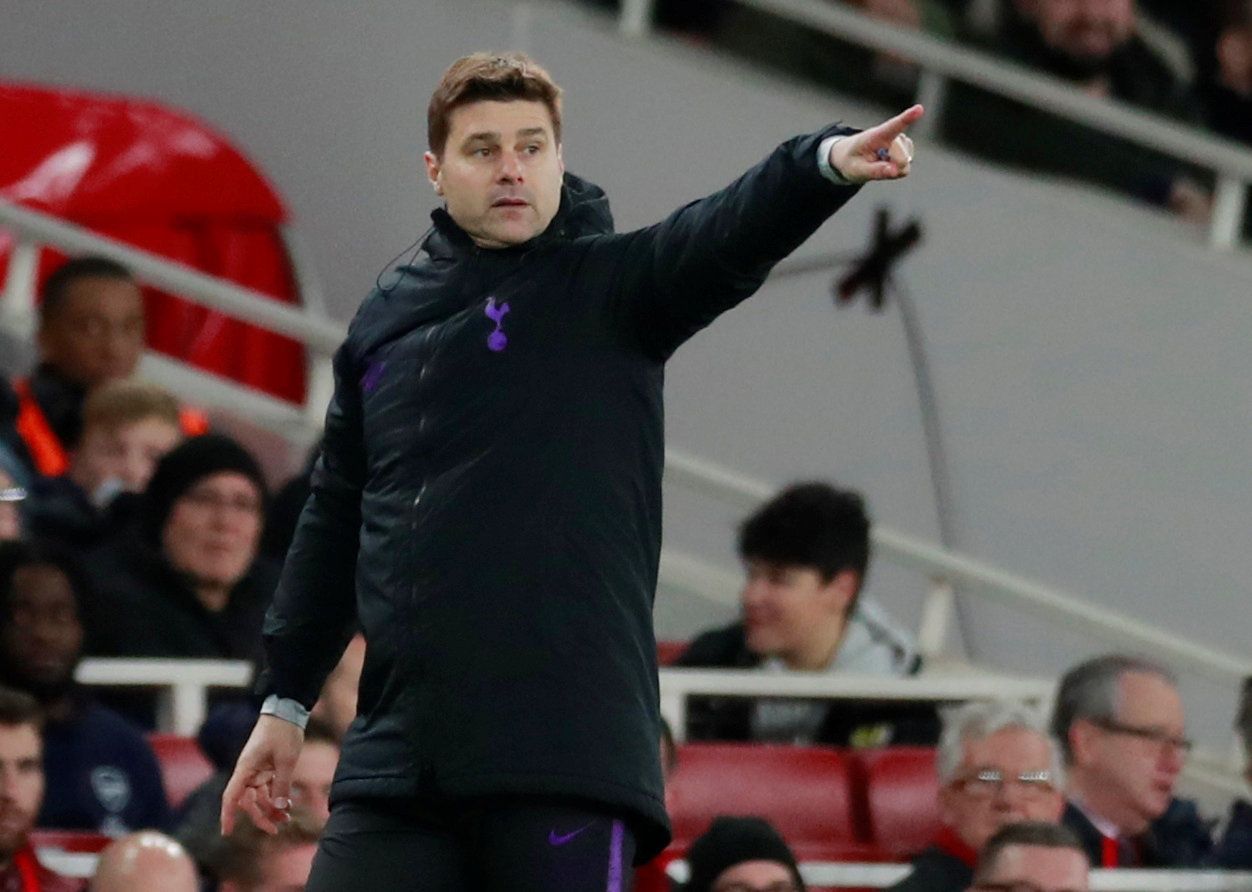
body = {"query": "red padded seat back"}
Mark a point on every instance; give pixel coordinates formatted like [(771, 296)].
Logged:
[(902, 795), (183, 765), (806, 793)]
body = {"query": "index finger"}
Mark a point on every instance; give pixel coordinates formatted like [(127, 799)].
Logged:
[(230, 802), (893, 127)]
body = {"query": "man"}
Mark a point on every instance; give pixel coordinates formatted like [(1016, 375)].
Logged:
[(102, 774), (91, 330), (21, 791), (1032, 855), (252, 861), (1095, 46), (742, 854), (489, 490), (806, 553), (145, 862), (997, 767), (186, 580), (127, 427), (1120, 723)]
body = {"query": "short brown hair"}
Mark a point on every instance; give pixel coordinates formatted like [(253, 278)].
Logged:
[(239, 857), (127, 401), (18, 708), (1025, 833), (502, 77)]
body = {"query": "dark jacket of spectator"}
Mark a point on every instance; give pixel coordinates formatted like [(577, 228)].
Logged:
[(101, 774), (846, 723), (937, 869), (493, 515), (1178, 838), (58, 509), (61, 402), (142, 607), (1234, 849)]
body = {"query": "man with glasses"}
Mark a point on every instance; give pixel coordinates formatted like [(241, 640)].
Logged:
[(1032, 857), (1120, 723), (996, 766)]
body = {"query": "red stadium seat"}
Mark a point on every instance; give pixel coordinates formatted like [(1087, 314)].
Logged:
[(183, 765), (77, 841), (902, 798), (668, 652), (806, 793)]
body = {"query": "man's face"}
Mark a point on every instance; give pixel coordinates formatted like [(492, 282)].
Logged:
[(755, 876), (977, 809), (1135, 760), (127, 453), (500, 171), (1085, 29), (21, 785), (44, 636), (1022, 868), (213, 529), (787, 607), (311, 778), (96, 334)]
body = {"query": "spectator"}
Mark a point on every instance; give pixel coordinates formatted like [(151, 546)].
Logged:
[(91, 329), (997, 766), (250, 860), (1228, 98), (11, 497), (102, 775), (127, 426), (21, 792), (200, 828), (806, 553), (1095, 46), (186, 581), (1119, 720), (1032, 855), (1234, 849), (742, 854), (145, 862)]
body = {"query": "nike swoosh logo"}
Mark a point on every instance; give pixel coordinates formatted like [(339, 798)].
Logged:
[(557, 839)]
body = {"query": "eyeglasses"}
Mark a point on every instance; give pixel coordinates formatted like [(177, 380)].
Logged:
[(780, 886), (1018, 886), (12, 494), (988, 782), (1158, 736)]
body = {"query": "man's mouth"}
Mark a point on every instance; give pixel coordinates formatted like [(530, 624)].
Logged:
[(509, 202)]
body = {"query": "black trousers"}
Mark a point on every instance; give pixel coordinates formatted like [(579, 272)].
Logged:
[(517, 844)]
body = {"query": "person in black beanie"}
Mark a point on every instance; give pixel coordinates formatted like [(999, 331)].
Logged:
[(185, 580), (742, 853)]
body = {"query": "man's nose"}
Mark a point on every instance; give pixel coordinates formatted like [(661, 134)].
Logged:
[(510, 167)]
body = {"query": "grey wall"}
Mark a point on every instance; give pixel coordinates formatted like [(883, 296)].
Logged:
[(1091, 358)]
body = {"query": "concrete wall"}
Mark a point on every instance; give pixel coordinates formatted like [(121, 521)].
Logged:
[(1090, 358)]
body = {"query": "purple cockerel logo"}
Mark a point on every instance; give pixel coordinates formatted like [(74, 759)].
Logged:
[(497, 340)]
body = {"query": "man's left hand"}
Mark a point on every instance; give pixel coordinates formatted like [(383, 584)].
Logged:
[(884, 152)]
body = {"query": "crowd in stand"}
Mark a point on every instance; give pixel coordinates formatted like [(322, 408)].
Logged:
[(131, 531), (1190, 63)]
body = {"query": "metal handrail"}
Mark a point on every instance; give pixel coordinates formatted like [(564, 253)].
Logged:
[(938, 58)]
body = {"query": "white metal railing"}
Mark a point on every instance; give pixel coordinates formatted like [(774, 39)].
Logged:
[(880, 876), (940, 60), (182, 686)]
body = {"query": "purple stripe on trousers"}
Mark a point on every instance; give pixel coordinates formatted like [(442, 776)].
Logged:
[(615, 858)]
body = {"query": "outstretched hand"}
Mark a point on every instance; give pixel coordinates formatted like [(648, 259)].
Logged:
[(261, 783), (884, 152)]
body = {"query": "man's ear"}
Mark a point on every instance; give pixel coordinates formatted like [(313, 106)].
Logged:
[(560, 157), (433, 170), (1082, 741), (842, 589)]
